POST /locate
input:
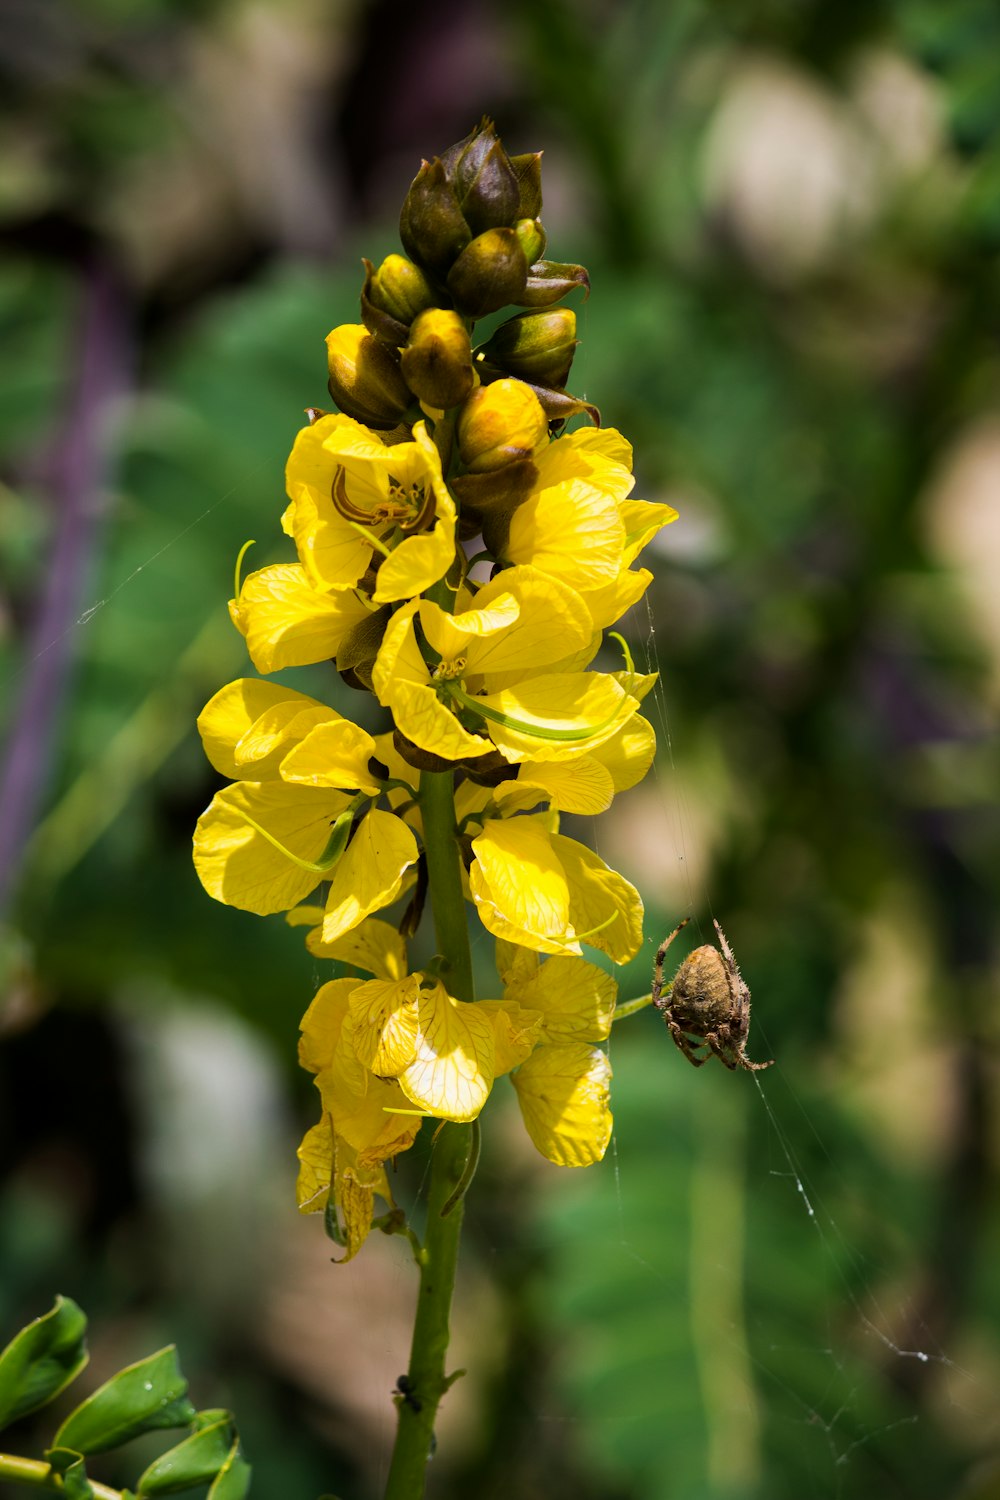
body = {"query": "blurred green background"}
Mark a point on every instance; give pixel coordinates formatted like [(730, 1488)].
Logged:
[(791, 215)]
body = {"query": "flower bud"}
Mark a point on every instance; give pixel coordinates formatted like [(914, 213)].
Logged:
[(531, 238), (548, 280), (392, 297), (528, 168), (537, 347), (365, 378), (437, 361), (484, 182), (500, 424), (490, 272), (431, 225)]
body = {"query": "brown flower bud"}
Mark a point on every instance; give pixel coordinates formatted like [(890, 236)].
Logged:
[(537, 347), (528, 168), (490, 273), (431, 225), (548, 280), (392, 297), (437, 361), (500, 424), (365, 378), (484, 182)]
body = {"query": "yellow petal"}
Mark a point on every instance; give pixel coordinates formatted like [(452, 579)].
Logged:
[(576, 999), (322, 1024), (330, 1169), (420, 560), (608, 604), (315, 1179), (519, 886), (260, 751), (237, 865), (332, 551), (370, 873), (592, 705), (515, 965), (374, 946), (642, 520), (516, 1030), (386, 1024), (227, 716), (581, 785), (452, 1073), (553, 622), (334, 753), (597, 894), (564, 1093), (628, 755), (449, 634), (288, 623), (571, 530)]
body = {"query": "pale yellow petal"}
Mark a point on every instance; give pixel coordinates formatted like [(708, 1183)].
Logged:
[(431, 725), (576, 999), (452, 1073), (627, 756), (370, 874), (514, 964), (642, 520), (374, 946), (449, 634), (322, 1024), (516, 1030), (565, 1096), (608, 604), (553, 622), (239, 866), (386, 1024), (517, 872), (581, 785)]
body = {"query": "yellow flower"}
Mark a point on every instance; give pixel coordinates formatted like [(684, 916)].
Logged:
[(289, 623), (356, 500), (547, 892)]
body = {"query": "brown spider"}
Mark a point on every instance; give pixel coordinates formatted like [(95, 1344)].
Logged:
[(708, 1001)]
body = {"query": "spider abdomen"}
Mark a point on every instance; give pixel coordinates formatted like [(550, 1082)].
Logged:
[(700, 997)]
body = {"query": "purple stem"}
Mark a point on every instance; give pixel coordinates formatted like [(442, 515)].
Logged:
[(81, 474)]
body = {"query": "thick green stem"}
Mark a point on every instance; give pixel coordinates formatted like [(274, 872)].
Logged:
[(427, 1380), (39, 1476)]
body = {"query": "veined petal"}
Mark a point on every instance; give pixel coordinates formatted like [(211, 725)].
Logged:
[(571, 530), (591, 704), (399, 659), (335, 753), (332, 551), (598, 893), (452, 1073), (370, 873), (331, 1168), (237, 865), (373, 945), (429, 723), (606, 463), (420, 560), (378, 1125), (519, 886), (386, 1024), (228, 715), (287, 622), (516, 1030), (581, 785), (450, 634), (564, 1093), (553, 622), (642, 520), (261, 748), (576, 999), (608, 604), (627, 756), (515, 965)]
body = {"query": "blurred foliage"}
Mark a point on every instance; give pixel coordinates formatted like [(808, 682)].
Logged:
[(790, 213)]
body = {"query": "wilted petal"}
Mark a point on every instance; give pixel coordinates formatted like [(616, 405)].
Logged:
[(374, 946), (516, 1030), (452, 1073), (386, 1024), (576, 999)]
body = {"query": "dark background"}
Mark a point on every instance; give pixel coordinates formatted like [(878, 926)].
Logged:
[(791, 215)]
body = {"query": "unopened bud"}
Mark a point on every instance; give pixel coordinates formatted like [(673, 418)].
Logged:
[(528, 168), (437, 361), (537, 347), (484, 182), (392, 297), (431, 224), (531, 238), (500, 424), (490, 273), (548, 280), (365, 378)]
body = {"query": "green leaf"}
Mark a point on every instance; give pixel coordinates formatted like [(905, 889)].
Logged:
[(233, 1481), (42, 1360), (72, 1469), (194, 1461), (147, 1395)]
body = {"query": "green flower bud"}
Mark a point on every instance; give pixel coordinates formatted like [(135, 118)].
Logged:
[(531, 238), (437, 361), (484, 182), (490, 272), (548, 280), (537, 347), (500, 424), (528, 168), (392, 297), (365, 378), (431, 225)]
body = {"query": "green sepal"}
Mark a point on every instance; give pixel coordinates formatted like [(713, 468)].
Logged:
[(141, 1398), (233, 1480), (42, 1359), (194, 1461), (69, 1464)]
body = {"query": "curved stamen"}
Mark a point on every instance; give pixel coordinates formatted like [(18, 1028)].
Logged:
[(532, 731)]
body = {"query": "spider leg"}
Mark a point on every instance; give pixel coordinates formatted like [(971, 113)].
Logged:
[(727, 952), (718, 1046), (661, 954), (684, 1046), (753, 1067)]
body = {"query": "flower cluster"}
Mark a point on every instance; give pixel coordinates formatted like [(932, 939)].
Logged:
[(459, 556)]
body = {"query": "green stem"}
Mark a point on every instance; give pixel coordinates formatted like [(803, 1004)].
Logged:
[(39, 1476), (426, 1377)]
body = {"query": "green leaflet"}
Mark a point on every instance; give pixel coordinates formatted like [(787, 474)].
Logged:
[(41, 1360), (149, 1394)]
